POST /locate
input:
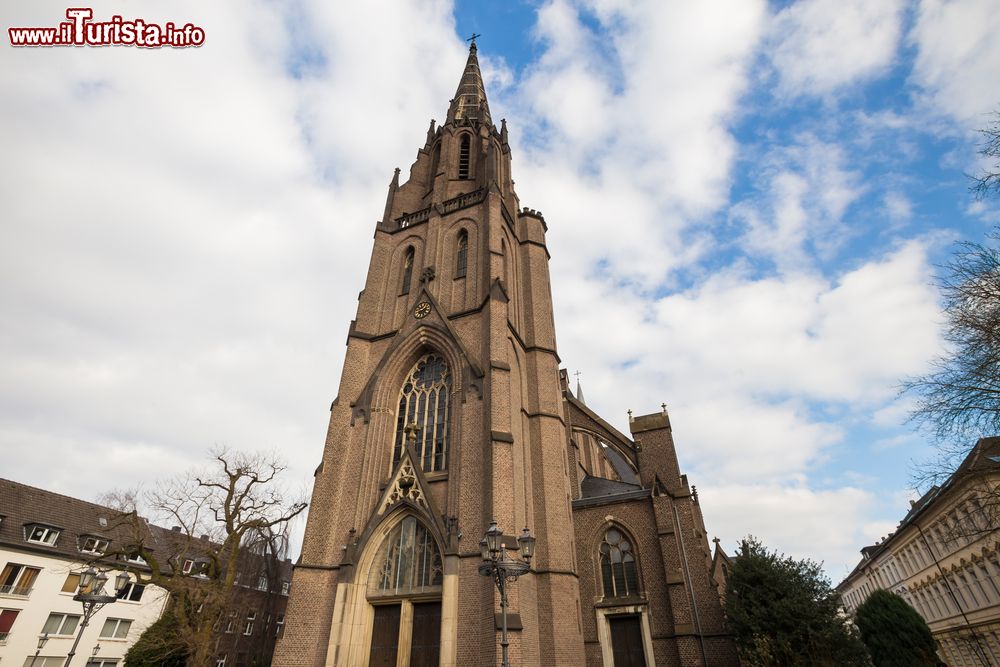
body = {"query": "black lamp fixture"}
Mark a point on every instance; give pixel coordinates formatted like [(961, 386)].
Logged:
[(498, 565), (92, 597), (42, 641)]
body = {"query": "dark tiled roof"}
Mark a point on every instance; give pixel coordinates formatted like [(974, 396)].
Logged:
[(22, 505), (594, 487), (984, 458)]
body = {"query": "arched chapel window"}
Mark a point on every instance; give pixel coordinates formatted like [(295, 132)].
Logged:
[(407, 563), (463, 157), (407, 270), (462, 254), (618, 565), (425, 400)]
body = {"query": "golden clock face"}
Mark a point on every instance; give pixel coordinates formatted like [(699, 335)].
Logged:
[(422, 310)]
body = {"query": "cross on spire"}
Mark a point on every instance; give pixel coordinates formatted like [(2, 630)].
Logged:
[(473, 38)]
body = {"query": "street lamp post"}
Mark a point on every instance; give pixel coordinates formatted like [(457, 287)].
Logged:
[(41, 644), (502, 569), (93, 581)]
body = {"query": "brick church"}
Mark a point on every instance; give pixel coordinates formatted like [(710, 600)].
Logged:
[(452, 412)]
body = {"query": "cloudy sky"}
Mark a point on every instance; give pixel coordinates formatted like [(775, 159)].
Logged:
[(745, 201)]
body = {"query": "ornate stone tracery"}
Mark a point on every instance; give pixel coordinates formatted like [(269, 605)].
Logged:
[(404, 486)]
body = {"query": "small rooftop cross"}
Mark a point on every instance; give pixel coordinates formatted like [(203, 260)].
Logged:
[(473, 38), (577, 374)]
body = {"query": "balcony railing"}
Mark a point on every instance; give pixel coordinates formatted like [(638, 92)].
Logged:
[(15, 591)]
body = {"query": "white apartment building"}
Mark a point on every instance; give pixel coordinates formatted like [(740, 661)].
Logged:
[(46, 541), (944, 560)]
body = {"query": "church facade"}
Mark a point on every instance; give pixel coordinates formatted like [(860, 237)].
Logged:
[(453, 411)]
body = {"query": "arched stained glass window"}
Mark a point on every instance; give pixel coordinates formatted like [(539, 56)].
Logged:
[(618, 565), (407, 271), (462, 254), (425, 400), (408, 562), (463, 157)]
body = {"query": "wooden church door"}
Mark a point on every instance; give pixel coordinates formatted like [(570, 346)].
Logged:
[(425, 650), (626, 641), (385, 636)]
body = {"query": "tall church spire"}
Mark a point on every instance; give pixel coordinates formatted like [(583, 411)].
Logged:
[(470, 98)]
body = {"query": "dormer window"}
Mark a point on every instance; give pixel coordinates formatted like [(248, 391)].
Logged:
[(91, 544), (41, 534), (136, 558)]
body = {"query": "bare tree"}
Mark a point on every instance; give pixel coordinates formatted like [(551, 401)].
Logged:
[(229, 526), (987, 182), (959, 400)]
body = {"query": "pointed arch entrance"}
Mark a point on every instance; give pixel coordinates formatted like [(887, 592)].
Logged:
[(404, 586)]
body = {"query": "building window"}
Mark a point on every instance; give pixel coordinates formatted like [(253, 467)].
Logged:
[(187, 566), (262, 583), (61, 624), (132, 592), (424, 401), (279, 624), (136, 557), (116, 628), (407, 271), (618, 565), (462, 254), (17, 579), (221, 661), (102, 662), (231, 622), (38, 534), (7, 618), (285, 586), (463, 157), (408, 561), (45, 661), (90, 544), (248, 626), (72, 583)]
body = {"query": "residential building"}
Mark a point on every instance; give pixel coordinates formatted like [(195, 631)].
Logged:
[(944, 560), (453, 411), (48, 539)]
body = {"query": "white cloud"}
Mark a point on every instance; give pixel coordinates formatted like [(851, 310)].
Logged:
[(824, 525), (632, 161), (958, 57), (898, 207), (805, 189), (820, 46)]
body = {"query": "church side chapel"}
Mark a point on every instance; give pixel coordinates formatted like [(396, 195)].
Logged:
[(453, 412)]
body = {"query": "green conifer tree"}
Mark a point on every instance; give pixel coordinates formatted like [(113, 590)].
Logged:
[(895, 634)]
